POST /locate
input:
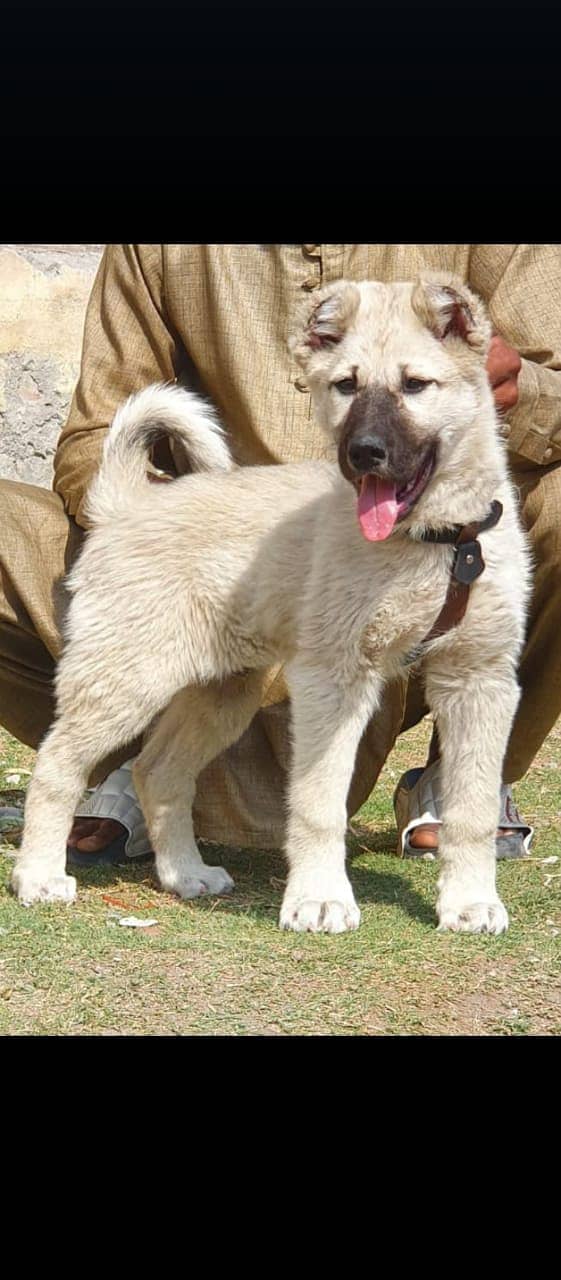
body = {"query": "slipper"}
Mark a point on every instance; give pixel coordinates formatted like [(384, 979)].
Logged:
[(418, 801), (115, 798)]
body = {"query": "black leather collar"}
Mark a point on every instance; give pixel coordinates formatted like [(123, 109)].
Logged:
[(452, 532)]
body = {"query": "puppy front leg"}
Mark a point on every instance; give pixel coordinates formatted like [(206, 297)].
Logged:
[(474, 714), (327, 724)]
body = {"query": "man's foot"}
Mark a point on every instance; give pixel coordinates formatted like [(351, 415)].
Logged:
[(92, 835), (97, 842), (109, 826), (425, 838)]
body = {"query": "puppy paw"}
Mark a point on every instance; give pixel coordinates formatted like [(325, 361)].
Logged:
[(473, 917), (32, 886), (203, 880), (312, 910)]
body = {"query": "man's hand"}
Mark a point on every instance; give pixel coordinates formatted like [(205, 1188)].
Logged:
[(503, 368)]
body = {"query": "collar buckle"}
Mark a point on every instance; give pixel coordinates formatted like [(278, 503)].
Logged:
[(468, 562)]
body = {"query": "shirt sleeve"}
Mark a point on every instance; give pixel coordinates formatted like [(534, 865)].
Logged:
[(521, 285), (128, 344)]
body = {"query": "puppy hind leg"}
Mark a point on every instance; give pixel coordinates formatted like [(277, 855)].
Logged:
[(102, 703), (64, 762), (87, 730), (199, 723)]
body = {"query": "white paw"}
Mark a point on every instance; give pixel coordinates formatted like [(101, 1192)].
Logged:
[(30, 886), (473, 917), (312, 910), (213, 880)]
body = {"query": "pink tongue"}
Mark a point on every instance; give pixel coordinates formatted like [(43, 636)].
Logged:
[(377, 508)]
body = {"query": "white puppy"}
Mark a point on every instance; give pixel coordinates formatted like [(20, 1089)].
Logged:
[(331, 568)]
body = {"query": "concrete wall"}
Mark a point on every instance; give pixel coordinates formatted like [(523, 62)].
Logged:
[(44, 289)]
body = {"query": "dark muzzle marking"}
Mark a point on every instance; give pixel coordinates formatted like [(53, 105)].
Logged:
[(377, 438)]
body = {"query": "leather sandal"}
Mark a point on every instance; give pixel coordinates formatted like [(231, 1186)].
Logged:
[(418, 802)]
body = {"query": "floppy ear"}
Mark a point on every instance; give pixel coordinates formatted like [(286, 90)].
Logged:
[(450, 310), (326, 321)]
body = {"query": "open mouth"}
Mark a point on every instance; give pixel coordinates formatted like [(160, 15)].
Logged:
[(381, 505)]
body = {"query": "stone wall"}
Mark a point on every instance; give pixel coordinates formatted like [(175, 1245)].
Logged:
[(44, 289)]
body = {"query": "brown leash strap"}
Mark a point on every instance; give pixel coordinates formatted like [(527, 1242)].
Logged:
[(467, 565)]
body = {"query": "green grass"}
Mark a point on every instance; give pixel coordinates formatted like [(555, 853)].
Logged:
[(222, 966)]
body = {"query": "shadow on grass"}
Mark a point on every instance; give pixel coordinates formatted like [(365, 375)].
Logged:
[(260, 876), (383, 887), (365, 840), (376, 886)]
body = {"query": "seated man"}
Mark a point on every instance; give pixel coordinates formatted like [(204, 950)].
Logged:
[(218, 317)]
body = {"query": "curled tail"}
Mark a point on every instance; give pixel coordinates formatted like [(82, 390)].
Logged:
[(143, 419)]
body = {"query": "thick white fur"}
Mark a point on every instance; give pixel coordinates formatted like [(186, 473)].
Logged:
[(180, 588)]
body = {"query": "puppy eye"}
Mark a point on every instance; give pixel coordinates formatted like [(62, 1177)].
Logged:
[(412, 385), (347, 386)]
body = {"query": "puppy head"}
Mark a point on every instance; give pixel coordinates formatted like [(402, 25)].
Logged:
[(397, 376)]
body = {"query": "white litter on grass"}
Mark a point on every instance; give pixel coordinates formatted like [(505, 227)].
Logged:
[(550, 862), (134, 922), (13, 779)]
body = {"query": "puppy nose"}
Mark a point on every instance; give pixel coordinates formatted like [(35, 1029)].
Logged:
[(366, 453)]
